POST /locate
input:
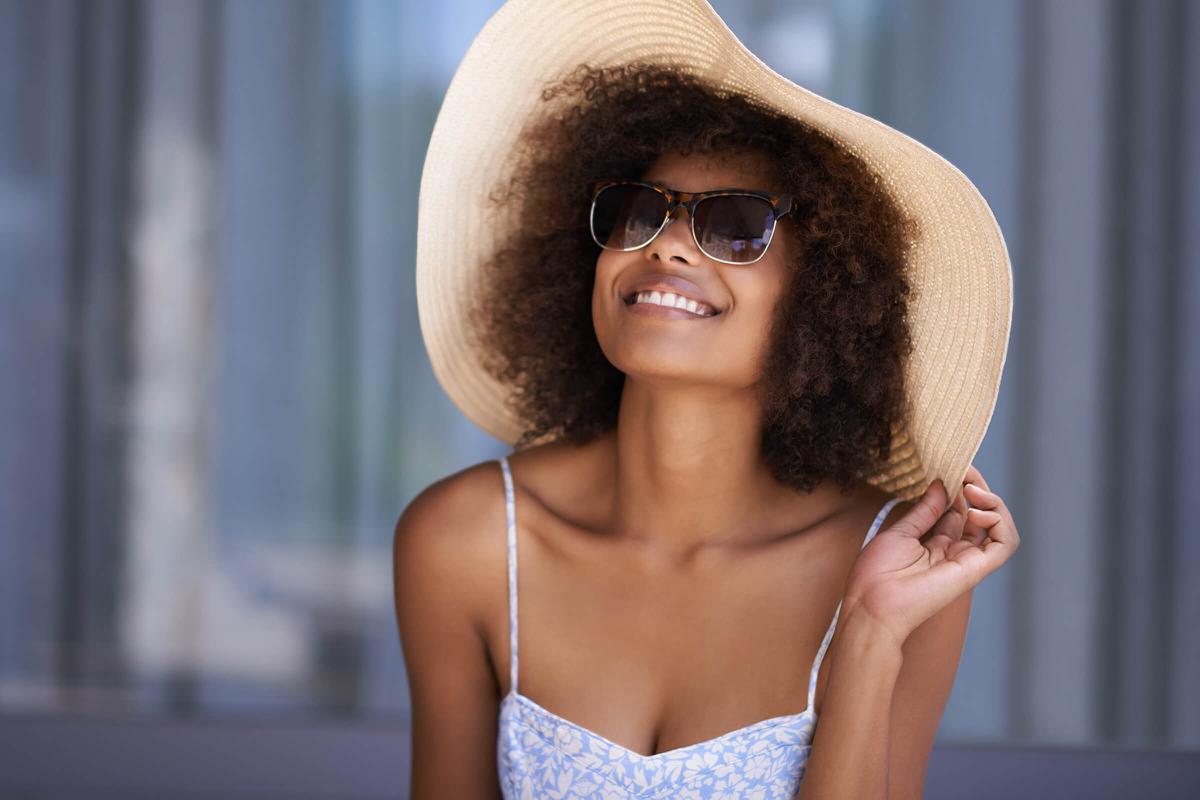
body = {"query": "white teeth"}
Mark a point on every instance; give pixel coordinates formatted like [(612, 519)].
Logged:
[(674, 301)]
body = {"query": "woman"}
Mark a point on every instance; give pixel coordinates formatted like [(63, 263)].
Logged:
[(710, 540)]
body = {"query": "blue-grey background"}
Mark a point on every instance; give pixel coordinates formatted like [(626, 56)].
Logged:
[(214, 399)]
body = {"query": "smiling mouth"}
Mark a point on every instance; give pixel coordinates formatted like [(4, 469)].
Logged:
[(670, 301)]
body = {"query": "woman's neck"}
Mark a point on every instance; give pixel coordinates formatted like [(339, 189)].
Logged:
[(686, 473)]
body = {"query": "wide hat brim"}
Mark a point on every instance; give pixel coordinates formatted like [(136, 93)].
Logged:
[(961, 308)]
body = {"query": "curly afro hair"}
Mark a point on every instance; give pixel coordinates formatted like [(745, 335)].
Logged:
[(833, 391)]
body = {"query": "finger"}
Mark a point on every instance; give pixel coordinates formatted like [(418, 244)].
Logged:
[(980, 497), (1000, 542), (961, 504), (1003, 533), (975, 528), (925, 513), (979, 562), (983, 513), (976, 477), (955, 517), (989, 513), (979, 525), (950, 524), (942, 535)]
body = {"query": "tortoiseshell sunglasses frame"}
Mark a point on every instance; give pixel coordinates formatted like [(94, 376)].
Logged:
[(781, 204)]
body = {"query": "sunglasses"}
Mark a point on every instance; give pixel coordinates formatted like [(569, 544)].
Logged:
[(732, 226)]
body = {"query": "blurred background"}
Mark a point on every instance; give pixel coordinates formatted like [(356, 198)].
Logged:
[(214, 399)]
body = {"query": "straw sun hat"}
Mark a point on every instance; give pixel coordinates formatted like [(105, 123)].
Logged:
[(961, 305)]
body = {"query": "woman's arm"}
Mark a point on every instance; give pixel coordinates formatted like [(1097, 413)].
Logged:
[(897, 740), (437, 573), (913, 581), (850, 752)]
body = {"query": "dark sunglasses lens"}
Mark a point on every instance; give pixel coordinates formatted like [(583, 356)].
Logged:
[(734, 228), (625, 217)]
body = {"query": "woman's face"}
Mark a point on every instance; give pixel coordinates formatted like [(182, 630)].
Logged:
[(726, 349)]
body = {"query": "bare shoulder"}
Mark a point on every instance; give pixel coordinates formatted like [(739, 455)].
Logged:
[(449, 540), (448, 557), (453, 533), (469, 495)]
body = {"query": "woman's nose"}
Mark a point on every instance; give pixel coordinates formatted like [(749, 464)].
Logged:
[(675, 239)]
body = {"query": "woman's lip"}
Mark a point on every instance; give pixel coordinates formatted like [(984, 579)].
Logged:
[(663, 312)]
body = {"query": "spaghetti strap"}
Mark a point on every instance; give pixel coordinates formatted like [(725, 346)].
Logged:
[(510, 510), (816, 668)]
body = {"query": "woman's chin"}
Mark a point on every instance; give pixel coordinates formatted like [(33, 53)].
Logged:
[(655, 368)]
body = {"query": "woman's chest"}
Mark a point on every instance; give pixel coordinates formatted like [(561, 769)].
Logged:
[(656, 659)]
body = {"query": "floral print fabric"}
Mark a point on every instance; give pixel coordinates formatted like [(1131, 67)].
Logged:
[(542, 755)]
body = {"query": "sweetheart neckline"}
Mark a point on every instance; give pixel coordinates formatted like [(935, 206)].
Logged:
[(769, 722)]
